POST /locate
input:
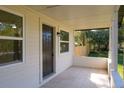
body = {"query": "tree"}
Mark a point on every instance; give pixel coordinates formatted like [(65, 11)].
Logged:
[(80, 38), (121, 36), (99, 39)]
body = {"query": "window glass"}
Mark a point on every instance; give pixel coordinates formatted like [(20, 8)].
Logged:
[(10, 51), (10, 24), (64, 36), (64, 41), (64, 47)]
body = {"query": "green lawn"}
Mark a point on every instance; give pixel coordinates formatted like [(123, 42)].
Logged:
[(120, 64), (105, 54)]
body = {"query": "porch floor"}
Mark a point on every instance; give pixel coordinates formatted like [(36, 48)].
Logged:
[(77, 77)]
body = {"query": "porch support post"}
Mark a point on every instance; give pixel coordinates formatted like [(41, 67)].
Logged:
[(114, 41)]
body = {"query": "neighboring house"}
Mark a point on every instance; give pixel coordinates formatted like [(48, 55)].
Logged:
[(37, 42)]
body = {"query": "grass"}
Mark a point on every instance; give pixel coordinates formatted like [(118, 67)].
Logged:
[(105, 54), (120, 70), (120, 64)]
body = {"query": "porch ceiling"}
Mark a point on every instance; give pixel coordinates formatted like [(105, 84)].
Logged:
[(79, 16)]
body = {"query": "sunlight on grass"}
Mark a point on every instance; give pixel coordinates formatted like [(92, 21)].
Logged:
[(120, 65), (120, 70)]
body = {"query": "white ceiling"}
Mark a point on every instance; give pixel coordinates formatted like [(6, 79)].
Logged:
[(79, 16)]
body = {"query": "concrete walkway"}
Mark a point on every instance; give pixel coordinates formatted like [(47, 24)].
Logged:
[(77, 77)]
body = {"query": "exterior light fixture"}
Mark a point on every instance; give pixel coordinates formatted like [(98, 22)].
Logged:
[(58, 34)]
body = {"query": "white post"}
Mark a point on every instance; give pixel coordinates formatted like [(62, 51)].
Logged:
[(113, 47), (110, 51), (114, 41)]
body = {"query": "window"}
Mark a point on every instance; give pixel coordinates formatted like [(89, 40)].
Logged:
[(64, 36), (64, 41), (11, 38)]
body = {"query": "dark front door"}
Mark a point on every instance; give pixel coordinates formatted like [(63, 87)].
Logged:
[(47, 49)]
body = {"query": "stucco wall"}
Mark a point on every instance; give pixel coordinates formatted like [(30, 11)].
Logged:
[(91, 62), (29, 73), (81, 50)]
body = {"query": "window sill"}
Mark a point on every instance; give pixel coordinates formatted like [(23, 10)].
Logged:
[(9, 64)]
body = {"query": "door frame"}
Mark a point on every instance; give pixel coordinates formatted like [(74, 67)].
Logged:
[(41, 79)]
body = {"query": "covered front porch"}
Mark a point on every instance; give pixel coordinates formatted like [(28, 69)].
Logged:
[(87, 72), (47, 58)]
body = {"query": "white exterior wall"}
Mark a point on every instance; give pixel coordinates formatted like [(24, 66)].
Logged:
[(29, 73)]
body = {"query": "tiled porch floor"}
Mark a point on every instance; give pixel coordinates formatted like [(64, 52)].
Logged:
[(77, 77)]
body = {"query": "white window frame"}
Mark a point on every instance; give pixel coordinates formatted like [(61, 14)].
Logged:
[(62, 41), (15, 38)]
